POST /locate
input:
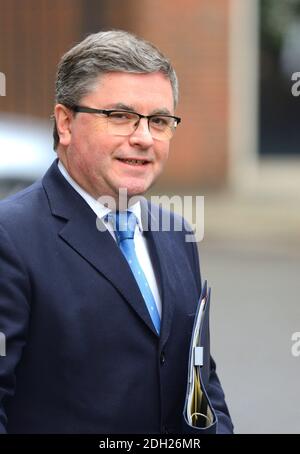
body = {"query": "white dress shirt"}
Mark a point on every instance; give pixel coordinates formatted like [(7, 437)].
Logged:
[(140, 241)]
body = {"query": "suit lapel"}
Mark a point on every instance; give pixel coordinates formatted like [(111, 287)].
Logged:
[(163, 262), (97, 247)]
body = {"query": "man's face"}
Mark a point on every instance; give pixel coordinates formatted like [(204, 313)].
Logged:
[(96, 159)]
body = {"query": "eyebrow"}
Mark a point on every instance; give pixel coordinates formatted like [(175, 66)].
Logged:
[(121, 106)]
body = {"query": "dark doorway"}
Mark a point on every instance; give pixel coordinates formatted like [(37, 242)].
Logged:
[(279, 120)]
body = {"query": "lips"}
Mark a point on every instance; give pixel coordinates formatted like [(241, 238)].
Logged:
[(134, 161)]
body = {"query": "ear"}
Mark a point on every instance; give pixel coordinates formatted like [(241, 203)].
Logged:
[(63, 118)]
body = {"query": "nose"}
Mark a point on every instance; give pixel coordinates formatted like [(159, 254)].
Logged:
[(141, 136)]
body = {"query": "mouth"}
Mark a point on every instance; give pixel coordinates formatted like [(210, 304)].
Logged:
[(134, 162)]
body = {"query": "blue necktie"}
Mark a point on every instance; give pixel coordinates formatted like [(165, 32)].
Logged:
[(124, 225)]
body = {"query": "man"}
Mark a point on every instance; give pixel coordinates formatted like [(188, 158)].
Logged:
[(98, 324)]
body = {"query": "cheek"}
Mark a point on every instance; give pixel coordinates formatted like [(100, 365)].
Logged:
[(89, 147), (84, 155), (85, 136), (98, 125), (163, 154)]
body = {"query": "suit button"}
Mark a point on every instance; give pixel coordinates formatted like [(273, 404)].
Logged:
[(162, 358)]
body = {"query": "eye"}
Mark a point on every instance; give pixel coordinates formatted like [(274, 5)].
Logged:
[(121, 116), (160, 122)]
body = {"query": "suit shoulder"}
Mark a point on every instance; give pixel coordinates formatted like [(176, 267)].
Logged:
[(179, 235), (169, 220), (22, 205)]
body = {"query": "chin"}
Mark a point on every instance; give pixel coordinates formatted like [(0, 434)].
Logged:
[(136, 191), (138, 188)]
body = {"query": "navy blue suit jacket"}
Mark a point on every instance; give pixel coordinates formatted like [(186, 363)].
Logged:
[(82, 355)]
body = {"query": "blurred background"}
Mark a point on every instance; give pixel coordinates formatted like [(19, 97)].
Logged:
[(238, 145)]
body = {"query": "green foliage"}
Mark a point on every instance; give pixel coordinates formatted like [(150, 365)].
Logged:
[(276, 16)]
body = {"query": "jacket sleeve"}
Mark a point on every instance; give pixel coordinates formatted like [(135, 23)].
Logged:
[(14, 315), (217, 399)]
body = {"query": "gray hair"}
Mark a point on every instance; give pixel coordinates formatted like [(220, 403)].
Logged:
[(104, 52)]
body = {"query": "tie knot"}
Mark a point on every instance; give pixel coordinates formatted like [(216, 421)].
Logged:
[(124, 223)]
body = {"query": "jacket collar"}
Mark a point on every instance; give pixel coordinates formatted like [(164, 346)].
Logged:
[(81, 232)]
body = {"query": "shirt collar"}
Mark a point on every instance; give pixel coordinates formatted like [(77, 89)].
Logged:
[(98, 207)]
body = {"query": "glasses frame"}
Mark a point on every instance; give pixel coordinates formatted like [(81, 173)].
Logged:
[(108, 112)]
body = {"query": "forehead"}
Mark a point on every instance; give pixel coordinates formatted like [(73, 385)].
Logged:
[(141, 91)]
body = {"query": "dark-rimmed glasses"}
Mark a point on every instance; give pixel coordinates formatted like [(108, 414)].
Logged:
[(125, 122)]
